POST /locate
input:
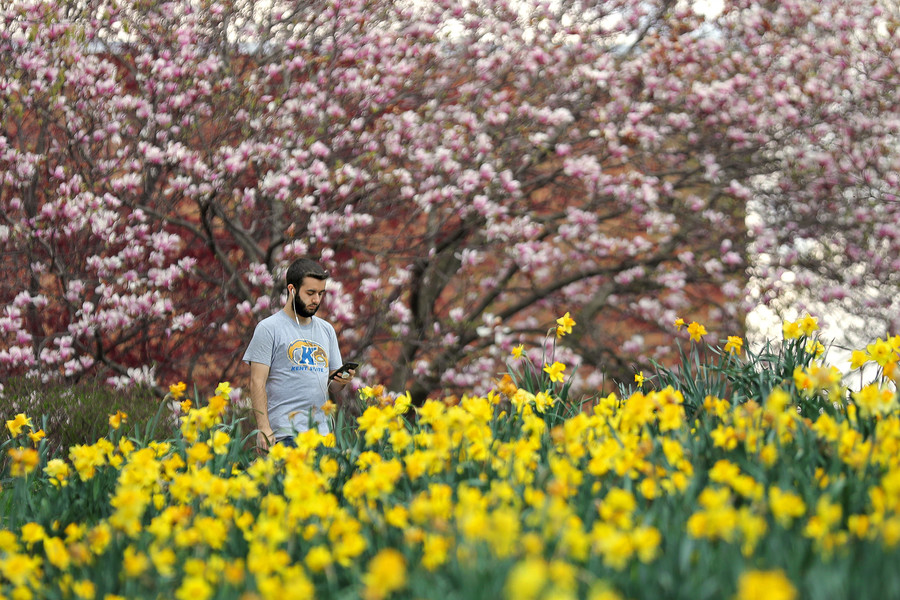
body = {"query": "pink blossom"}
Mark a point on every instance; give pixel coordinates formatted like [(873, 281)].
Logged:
[(634, 345)]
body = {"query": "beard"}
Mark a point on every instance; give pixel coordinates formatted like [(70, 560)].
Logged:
[(301, 311)]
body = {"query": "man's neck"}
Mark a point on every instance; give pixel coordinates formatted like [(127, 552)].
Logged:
[(289, 310)]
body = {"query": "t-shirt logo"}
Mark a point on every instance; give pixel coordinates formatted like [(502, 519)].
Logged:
[(307, 355)]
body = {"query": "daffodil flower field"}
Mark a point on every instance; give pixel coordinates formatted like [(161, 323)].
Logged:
[(736, 475)]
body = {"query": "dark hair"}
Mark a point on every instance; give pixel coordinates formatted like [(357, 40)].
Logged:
[(302, 268)]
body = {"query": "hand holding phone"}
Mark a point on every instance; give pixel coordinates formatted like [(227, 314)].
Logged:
[(344, 368)]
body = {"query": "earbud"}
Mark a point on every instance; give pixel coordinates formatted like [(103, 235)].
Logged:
[(294, 307)]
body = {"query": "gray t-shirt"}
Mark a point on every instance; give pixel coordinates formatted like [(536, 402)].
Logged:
[(299, 359)]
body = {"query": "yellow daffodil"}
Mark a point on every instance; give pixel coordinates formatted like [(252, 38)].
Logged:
[(329, 408), (875, 400), (36, 436), (134, 562), (696, 331), (881, 352), (84, 589), (858, 358), (815, 347), (791, 330), (555, 371), (785, 506), (890, 369), (57, 471), (56, 552), (32, 533), (734, 345), (527, 578), (22, 461), (219, 442), (176, 390), (16, 424), (768, 585), (116, 420), (564, 325), (318, 558), (808, 325), (217, 406)]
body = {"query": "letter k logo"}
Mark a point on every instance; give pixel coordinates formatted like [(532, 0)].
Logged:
[(306, 358)]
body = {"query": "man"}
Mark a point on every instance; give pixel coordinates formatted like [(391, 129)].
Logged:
[(292, 356)]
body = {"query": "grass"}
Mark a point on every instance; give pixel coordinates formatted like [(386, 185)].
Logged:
[(78, 413)]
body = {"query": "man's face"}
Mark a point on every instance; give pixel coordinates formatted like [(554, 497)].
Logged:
[(309, 297)]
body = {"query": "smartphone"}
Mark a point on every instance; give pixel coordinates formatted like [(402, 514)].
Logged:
[(344, 368)]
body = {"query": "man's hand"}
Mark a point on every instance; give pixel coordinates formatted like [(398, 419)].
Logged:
[(259, 373), (264, 439), (344, 378)]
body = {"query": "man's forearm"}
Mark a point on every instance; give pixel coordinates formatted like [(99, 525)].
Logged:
[(259, 398)]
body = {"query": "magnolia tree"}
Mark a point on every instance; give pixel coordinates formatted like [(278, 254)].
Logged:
[(826, 217), (467, 171)]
